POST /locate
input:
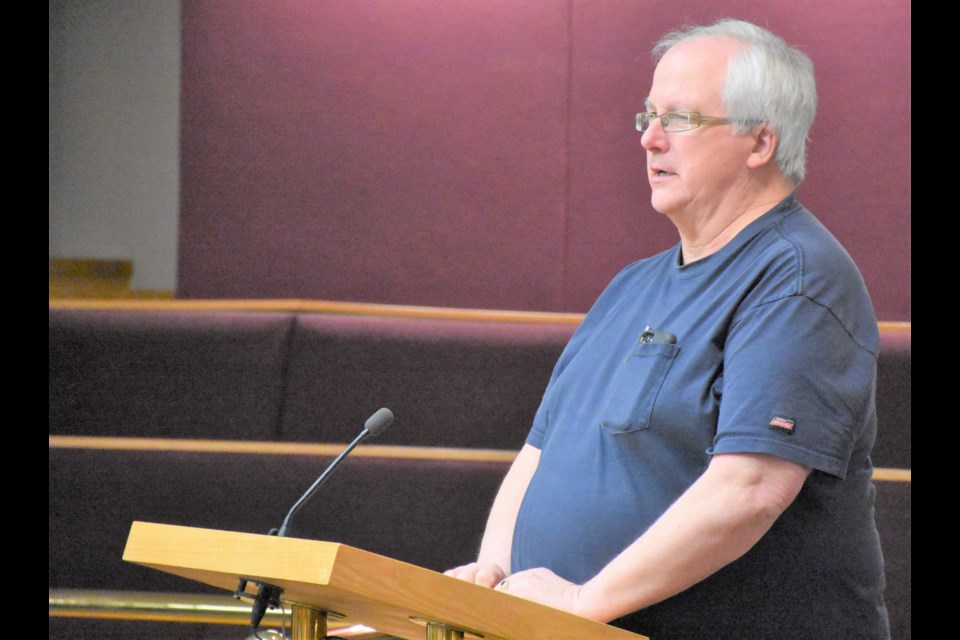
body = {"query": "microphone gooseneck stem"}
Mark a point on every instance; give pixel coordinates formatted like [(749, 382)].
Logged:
[(316, 485)]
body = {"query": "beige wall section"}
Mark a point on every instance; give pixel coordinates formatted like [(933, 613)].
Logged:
[(114, 75)]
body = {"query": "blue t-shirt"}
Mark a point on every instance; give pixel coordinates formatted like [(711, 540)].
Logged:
[(766, 346)]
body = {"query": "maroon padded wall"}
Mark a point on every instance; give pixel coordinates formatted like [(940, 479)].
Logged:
[(470, 153)]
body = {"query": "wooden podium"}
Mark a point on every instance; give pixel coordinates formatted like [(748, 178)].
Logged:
[(326, 579)]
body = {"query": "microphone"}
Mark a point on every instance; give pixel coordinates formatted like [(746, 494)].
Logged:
[(268, 596), (374, 426)]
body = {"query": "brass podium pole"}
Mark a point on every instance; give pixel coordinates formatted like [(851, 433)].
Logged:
[(437, 631), (307, 623)]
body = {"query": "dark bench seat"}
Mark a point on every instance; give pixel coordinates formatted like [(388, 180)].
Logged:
[(302, 375), (408, 504)]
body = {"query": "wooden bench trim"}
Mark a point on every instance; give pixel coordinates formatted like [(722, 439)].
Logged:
[(395, 452), (348, 308), (321, 306)]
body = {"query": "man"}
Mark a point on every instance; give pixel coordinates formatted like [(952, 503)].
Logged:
[(699, 466)]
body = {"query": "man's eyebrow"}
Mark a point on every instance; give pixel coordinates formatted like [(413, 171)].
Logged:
[(648, 105)]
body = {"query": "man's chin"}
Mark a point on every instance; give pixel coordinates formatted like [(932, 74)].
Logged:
[(663, 204)]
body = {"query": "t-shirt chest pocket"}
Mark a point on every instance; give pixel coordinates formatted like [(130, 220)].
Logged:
[(636, 385)]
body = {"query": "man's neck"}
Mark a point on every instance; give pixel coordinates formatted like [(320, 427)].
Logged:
[(709, 233)]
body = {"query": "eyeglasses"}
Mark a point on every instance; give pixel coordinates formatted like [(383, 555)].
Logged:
[(678, 120)]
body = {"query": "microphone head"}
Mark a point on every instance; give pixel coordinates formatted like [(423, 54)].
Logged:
[(379, 421)]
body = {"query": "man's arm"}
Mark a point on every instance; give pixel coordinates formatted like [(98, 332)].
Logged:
[(718, 519), (493, 561)]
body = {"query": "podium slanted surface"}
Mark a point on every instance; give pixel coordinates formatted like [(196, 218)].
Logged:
[(388, 595)]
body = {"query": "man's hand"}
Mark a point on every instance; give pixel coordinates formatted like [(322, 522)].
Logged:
[(539, 585), (543, 586), (486, 574)]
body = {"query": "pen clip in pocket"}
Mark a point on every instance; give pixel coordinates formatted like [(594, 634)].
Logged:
[(652, 336)]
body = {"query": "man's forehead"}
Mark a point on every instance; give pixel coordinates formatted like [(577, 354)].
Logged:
[(691, 73)]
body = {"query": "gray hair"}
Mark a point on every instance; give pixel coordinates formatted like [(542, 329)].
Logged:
[(768, 81)]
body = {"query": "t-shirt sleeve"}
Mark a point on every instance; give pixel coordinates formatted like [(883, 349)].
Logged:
[(796, 385), (541, 420)]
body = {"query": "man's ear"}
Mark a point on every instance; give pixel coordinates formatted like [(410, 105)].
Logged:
[(764, 147)]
